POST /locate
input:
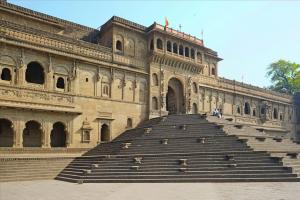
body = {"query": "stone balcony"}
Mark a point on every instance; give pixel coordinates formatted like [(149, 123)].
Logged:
[(177, 61), (34, 99)]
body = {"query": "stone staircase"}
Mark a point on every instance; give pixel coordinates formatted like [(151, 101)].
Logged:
[(34, 163), (283, 149), (176, 148)]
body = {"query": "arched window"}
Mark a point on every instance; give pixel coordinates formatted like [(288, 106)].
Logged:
[(154, 103), (154, 79), (213, 71), (129, 123), (281, 117), (199, 57), (151, 45), (263, 111), (275, 113), (187, 52), (105, 90), (254, 112), (169, 46), (192, 53), (159, 44), (60, 83), (238, 110), (175, 48), (247, 108), (35, 73), (195, 87), (6, 75), (119, 45), (181, 50)]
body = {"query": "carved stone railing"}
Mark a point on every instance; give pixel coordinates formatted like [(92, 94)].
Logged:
[(17, 32), (180, 63), (24, 97), (246, 120), (129, 61), (245, 89), (179, 34)]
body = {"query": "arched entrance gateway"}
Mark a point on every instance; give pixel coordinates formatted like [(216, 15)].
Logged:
[(175, 98), (58, 135), (6, 133)]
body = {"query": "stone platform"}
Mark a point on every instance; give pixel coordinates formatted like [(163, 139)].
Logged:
[(58, 190)]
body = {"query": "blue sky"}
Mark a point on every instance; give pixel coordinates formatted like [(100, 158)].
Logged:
[(248, 35)]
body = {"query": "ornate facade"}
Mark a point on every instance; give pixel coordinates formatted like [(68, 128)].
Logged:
[(67, 85)]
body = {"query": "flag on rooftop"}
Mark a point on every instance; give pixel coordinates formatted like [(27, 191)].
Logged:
[(166, 22)]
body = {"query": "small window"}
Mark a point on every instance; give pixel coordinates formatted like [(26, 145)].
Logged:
[(129, 122), (247, 108), (155, 79), (281, 117), (151, 45), (238, 110), (263, 111), (86, 79), (181, 50), (192, 53), (105, 90), (159, 44), (169, 46), (154, 103), (275, 113), (86, 136), (60, 83), (6, 75), (195, 87), (119, 45), (213, 71), (187, 52), (175, 48), (254, 112)]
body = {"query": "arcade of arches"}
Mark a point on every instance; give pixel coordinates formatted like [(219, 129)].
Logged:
[(32, 135)]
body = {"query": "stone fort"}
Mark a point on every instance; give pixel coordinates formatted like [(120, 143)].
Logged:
[(67, 85)]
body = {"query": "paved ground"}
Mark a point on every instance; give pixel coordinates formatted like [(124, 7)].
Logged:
[(57, 190)]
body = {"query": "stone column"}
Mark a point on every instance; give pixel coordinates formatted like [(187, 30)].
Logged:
[(19, 127), (46, 135)]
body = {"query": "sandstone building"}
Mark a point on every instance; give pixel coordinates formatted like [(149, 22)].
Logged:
[(67, 85)]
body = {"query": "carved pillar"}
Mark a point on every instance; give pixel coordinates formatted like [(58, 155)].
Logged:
[(112, 78), (49, 85), (98, 85), (123, 84), (13, 127), (162, 99), (46, 130), (134, 86), (19, 127), (189, 95), (68, 138), (73, 78), (20, 69)]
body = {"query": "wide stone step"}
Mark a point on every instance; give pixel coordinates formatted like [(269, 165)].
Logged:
[(185, 175)]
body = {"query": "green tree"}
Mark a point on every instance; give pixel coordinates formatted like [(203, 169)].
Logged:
[(285, 76)]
